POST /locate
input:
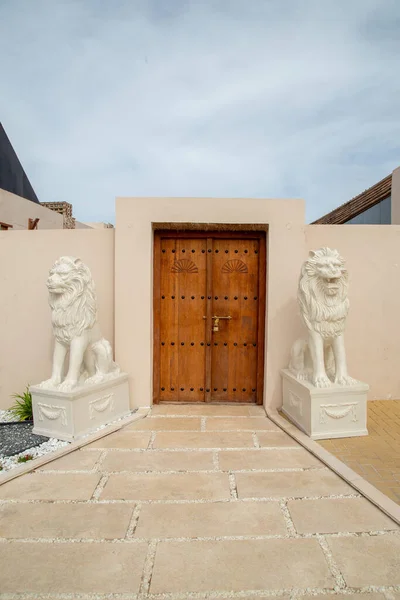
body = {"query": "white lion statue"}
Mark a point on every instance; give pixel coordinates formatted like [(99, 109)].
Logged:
[(72, 299), (322, 296)]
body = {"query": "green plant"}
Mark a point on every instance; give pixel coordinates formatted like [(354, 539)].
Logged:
[(22, 409), (24, 459)]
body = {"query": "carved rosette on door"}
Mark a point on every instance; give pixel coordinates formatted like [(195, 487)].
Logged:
[(209, 318)]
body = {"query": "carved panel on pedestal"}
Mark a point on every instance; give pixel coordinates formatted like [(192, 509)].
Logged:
[(52, 413), (338, 411)]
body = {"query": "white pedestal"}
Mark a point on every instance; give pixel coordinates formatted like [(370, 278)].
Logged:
[(71, 415), (322, 413)]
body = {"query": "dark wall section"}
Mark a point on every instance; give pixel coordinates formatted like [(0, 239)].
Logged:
[(12, 175)]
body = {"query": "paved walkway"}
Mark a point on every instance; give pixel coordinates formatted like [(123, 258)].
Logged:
[(375, 457), (193, 502)]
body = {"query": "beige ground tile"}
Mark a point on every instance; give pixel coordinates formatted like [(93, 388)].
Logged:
[(71, 568), (123, 439), (180, 486), (240, 424), (257, 411), (275, 439), (371, 596), (204, 410), (54, 486), (158, 461), (296, 484), (236, 460), (344, 514), (239, 565), (368, 560), (211, 519), (90, 521), (187, 439), (80, 460), (165, 424)]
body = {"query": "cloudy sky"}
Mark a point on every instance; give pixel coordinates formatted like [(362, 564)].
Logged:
[(232, 98)]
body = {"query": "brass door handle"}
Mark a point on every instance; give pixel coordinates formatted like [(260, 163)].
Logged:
[(216, 321), (229, 317)]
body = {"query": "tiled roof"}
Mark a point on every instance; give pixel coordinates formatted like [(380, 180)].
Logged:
[(359, 204)]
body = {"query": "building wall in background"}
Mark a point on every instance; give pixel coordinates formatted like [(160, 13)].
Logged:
[(100, 225), (12, 175), (17, 211), (379, 214)]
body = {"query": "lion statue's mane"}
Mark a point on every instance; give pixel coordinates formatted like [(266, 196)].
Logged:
[(75, 309), (321, 312)]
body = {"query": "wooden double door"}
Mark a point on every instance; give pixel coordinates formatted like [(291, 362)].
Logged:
[(209, 315)]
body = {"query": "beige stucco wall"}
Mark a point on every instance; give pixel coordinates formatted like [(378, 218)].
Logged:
[(16, 211), (25, 333), (79, 225), (99, 225), (372, 254), (134, 272)]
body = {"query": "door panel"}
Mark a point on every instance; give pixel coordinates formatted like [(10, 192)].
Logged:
[(198, 277), (235, 294), (182, 332)]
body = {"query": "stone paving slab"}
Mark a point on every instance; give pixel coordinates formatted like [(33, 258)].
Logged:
[(290, 484), (78, 521), (368, 561), (158, 461), (371, 596), (155, 486), (184, 439), (210, 520), (54, 486), (239, 565), (294, 458), (338, 515), (123, 439), (170, 424), (275, 440), (71, 568), (240, 423), (80, 460)]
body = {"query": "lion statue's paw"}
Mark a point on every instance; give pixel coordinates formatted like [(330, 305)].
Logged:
[(67, 386), (345, 380), (302, 376), (98, 378), (322, 381), (49, 384)]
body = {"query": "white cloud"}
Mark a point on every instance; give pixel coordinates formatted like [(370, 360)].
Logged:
[(268, 98)]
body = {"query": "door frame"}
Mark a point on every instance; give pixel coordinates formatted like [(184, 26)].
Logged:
[(235, 233)]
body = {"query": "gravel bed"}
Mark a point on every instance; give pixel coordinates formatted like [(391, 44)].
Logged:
[(6, 416), (51, 445)]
